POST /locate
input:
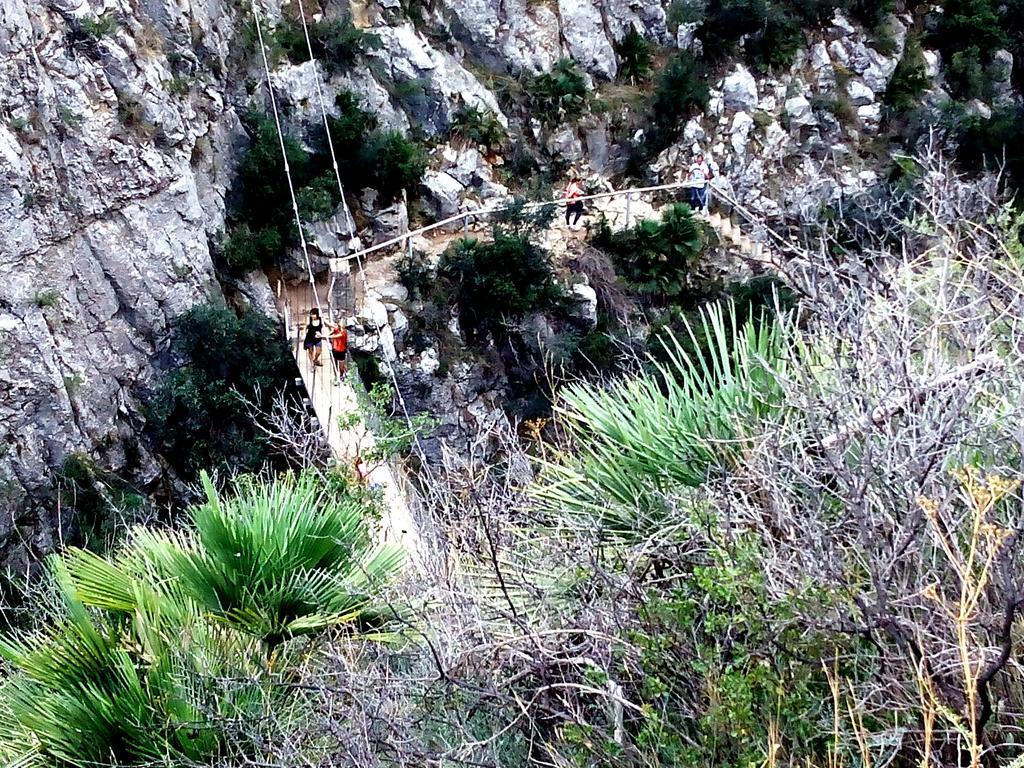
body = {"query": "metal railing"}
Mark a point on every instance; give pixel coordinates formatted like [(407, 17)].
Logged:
[(464, 217)]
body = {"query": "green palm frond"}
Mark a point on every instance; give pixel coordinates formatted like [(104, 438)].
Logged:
[(637, 444), (281, 558), (89, 691)]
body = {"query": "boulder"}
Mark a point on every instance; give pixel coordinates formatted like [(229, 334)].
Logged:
[(798, 110), (565, 145), (584, 34), (515, 35), (932, 63), (441, 83), (839, 53), (687, 40), (596, 139), (373, 314), (469, 168), (739, 133), (870, 116), (399, 323), (647, 18), (441, 194), (385, 223), (978, 108), (429, 361), (820, 60), (392, 292), (694, 131), (872, 66), (739, 90), (841, 27), (859, 94), (583, 308)]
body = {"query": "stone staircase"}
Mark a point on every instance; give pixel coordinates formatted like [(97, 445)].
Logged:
[(732, 234)]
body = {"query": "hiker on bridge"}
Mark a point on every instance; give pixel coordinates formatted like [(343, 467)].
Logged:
[(339, 349), (313, 337), (700, 175), (574, 206)]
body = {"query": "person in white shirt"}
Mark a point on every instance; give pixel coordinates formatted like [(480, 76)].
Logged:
[(700, 175)]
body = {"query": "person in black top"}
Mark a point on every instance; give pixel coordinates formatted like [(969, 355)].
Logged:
[(311, 342)]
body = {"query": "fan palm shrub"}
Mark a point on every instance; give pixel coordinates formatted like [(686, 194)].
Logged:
[(279, 559), (101, 690), (669, 430), (656, 257)]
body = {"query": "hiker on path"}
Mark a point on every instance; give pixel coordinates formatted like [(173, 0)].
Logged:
[(574, 206), (339, 349), (311, 342), (700, 174)]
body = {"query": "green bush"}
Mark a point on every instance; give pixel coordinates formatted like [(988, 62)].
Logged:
[(557, 96), (415, 274), (966, 75), (196, 415), (634, 53), (777, 44), (993, 142), (726, 21), (968, 33), (246, 250), (656, 256), (263, 224), (684, 12), (351, 126), (497, 281), (682, 88), (319, 198), (387, 161), (870, 13), (154, 656), (909, 80), (392, 163), (337, 43), (479, 127), (102, 502), (101, 26)]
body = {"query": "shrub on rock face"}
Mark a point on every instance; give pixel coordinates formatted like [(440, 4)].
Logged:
[(337, 43), (771, 30), (391, 163), (909, 79), (967, 34), (264, 223), (246, 249), (681, 89), (197, 416), (993, 142), (778, 42), (497, 281), (655, 257), (634, 52), (558, 96), (369, 157), (479, 127)]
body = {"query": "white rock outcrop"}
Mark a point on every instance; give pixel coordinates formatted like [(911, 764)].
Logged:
[(739, 89)]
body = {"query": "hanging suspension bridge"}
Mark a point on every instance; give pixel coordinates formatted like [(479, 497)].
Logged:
[(333, 398)]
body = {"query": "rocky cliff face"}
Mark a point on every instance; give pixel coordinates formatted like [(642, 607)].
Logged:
[(112, 179), (120, 133)]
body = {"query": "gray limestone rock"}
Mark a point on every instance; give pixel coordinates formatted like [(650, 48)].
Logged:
[(584, 35), (739, 89), (442, 194)]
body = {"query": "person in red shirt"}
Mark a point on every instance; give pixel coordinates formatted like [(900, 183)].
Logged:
[(574, 206), (339, 349)]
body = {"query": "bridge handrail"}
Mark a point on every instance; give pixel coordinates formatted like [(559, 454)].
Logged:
[(489, 211)]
